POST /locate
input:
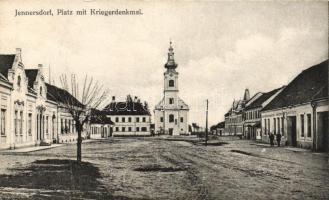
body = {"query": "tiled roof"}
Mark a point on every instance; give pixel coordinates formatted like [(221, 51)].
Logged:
[(31, 75), (60, 95), (304, 88), (99, 117), (6, 63), (260, 100), (126, 108)]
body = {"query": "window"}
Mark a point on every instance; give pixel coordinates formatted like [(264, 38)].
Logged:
[(302, 125), (274, 125), (117, 129), (21, 123), (144, 119), (19, 81), (62, 126), (69, 125), (144, 129), (265, 127), (282, 126), (171, 118), (123, 129), (123, 119), (46, 124), (278, 120), (15, 122), (129, 128), (171, 100), (269, 125), (117, 119), (3, 122), (181, 119), (309, 126), (161, 119), (40, 91), (137, 119), (129, 119), (171, 83), (137, 129)]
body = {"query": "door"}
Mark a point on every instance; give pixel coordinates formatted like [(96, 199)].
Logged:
[(171, 130), (322, 130), (292, 132)]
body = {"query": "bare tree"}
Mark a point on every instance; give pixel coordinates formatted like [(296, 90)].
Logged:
[(81, 101)]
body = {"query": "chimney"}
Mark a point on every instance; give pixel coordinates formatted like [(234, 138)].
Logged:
[(135, 99), (246, 95), (113, 98)]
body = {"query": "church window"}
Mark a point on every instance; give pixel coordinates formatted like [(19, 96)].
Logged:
[(161, 119), (181, 119), (171, 83), (171, 100), (171, 118)]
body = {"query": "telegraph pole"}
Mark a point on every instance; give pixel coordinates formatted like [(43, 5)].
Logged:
[(207, 124)]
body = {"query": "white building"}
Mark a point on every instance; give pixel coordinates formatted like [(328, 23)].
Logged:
[(32, 112), (130, 117), (171, 113), (300, 111)]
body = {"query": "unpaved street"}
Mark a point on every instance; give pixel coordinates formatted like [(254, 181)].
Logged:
[(155, 168)]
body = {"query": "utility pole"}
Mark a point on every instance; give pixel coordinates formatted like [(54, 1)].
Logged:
[(207, 124)]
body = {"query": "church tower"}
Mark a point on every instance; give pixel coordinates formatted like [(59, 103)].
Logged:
[(171, 113)]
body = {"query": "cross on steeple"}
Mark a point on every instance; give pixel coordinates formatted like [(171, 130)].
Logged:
[(171, 60)]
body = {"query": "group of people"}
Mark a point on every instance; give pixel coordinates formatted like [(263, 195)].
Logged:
[(278, 139)]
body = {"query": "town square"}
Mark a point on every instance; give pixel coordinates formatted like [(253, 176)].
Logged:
[(164, 100)]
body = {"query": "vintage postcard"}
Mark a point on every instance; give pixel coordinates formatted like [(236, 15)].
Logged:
[(168, 100)]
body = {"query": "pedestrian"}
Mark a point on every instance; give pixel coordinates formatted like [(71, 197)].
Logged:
[(278, 138), (272, 139)]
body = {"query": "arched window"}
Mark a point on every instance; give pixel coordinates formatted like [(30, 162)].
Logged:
[(171, 83), (40, 90), (19, 81), (171, 118)]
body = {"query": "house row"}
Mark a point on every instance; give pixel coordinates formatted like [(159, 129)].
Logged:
[(32, 111), (298, 111)]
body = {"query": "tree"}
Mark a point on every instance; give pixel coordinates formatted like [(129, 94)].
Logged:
[(80, 102)]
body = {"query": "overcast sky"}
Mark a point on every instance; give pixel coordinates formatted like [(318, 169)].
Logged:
[(221, 47)]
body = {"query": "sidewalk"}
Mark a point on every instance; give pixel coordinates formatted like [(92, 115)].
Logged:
[(294, 149), (29, 149)]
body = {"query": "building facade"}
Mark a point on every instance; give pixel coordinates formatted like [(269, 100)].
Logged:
[(171, 113), (130, 117), (100, 125), (30, 112), (300, 111), (252, 114), (234, 117)]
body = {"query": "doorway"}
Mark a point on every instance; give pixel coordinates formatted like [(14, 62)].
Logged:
[(322, 130), (171, 130), (291, 131)]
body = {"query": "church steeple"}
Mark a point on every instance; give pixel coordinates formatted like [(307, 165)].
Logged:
[(171, 60)]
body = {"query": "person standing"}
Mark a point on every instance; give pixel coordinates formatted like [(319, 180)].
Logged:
[(272, 139), (278, 138)]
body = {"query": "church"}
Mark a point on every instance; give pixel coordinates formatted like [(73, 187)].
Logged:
[(171, 113)]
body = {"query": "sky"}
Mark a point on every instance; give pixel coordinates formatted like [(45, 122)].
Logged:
[(221, 47)]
